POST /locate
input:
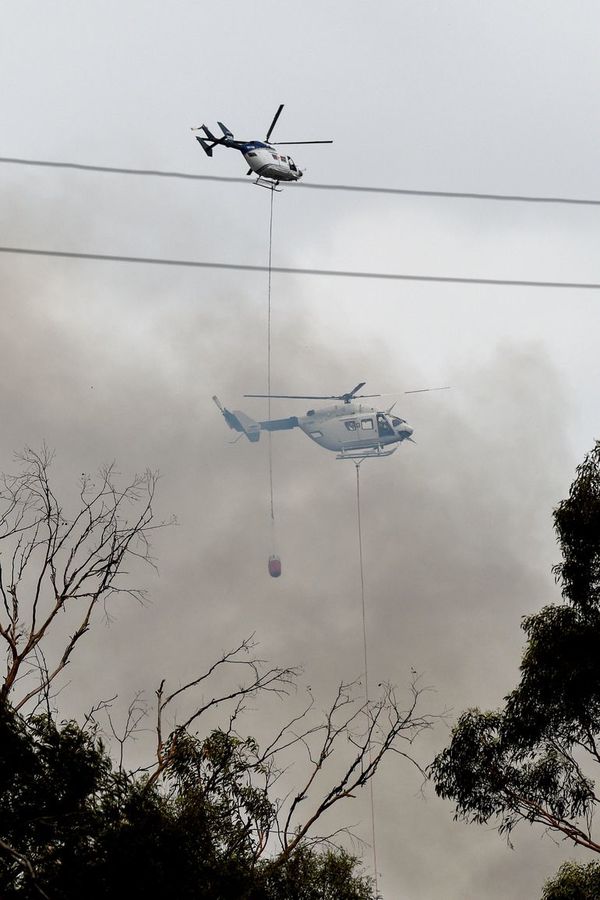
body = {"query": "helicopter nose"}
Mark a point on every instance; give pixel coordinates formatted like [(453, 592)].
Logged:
[(405, 432)]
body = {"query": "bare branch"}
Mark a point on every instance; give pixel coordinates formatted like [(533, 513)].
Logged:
[(276, 680), (57, 564), (371, 729), (136, 713)]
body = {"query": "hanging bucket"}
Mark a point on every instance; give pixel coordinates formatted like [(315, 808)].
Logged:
[(274, 566)]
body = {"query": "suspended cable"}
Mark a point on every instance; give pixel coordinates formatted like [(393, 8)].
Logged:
[(410, 192), (270, 443), (119, 170), (274, 560), (357, 463), (291, 270)]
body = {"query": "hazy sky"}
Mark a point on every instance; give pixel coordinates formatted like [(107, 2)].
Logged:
[(108, 361)]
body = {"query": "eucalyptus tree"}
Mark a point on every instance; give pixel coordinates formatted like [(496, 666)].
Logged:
[(536, 759)]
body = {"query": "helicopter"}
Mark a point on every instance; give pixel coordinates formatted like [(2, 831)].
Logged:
[(349, 429), (264, 160)]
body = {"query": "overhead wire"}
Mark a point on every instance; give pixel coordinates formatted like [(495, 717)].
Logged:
[(305, 185), (297, 270)]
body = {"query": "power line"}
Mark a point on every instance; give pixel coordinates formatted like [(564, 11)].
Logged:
[(409, 192), (293, 270), (119, 170)]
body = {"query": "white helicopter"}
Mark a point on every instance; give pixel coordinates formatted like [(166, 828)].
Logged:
[(351, 430), (262, 157)]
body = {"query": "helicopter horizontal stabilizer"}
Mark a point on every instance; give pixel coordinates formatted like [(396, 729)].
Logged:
[(205, 146)]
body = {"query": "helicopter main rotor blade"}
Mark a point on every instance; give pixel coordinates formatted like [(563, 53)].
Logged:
[(278, 143), (418, 391), (425, 390), (361, 396), (274, 122), (355, 389), (351, 395), (345, 397), (296, 396)]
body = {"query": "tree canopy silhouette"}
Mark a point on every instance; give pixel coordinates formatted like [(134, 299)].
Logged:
[(535, 760)]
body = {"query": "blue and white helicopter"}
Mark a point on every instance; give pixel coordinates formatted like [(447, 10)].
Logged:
[(264, 160)]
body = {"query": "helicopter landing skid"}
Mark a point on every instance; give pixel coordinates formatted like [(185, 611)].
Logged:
[(369, 453), (270, 185)]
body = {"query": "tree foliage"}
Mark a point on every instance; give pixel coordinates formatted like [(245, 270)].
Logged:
[(74, 825), (535, 760), (574, 882)]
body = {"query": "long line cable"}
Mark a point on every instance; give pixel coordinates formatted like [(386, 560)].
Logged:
[(366, 189), (296, 270), (357, 463), (270, 444)]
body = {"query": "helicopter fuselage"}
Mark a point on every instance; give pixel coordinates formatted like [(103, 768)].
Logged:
[(351, 427), (268, 162)]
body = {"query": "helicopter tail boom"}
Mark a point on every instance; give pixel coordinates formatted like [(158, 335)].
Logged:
[(240, 421)]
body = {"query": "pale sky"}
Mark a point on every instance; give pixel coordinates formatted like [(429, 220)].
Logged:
[(108, 361)]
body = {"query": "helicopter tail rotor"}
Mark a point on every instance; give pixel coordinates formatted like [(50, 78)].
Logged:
[(214, 141), (209, 141)]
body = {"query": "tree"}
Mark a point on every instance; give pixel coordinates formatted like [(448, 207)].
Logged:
[(51, 563), (84, 828), (574, 882), (200, 821), (203, 818), (535, 760)]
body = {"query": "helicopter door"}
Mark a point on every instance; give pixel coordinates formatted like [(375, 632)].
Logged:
[(383, 426)]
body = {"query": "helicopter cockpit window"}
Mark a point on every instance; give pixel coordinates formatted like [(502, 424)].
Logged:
[(351, 425), (366, 424), (396, 422), (383, 426)]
